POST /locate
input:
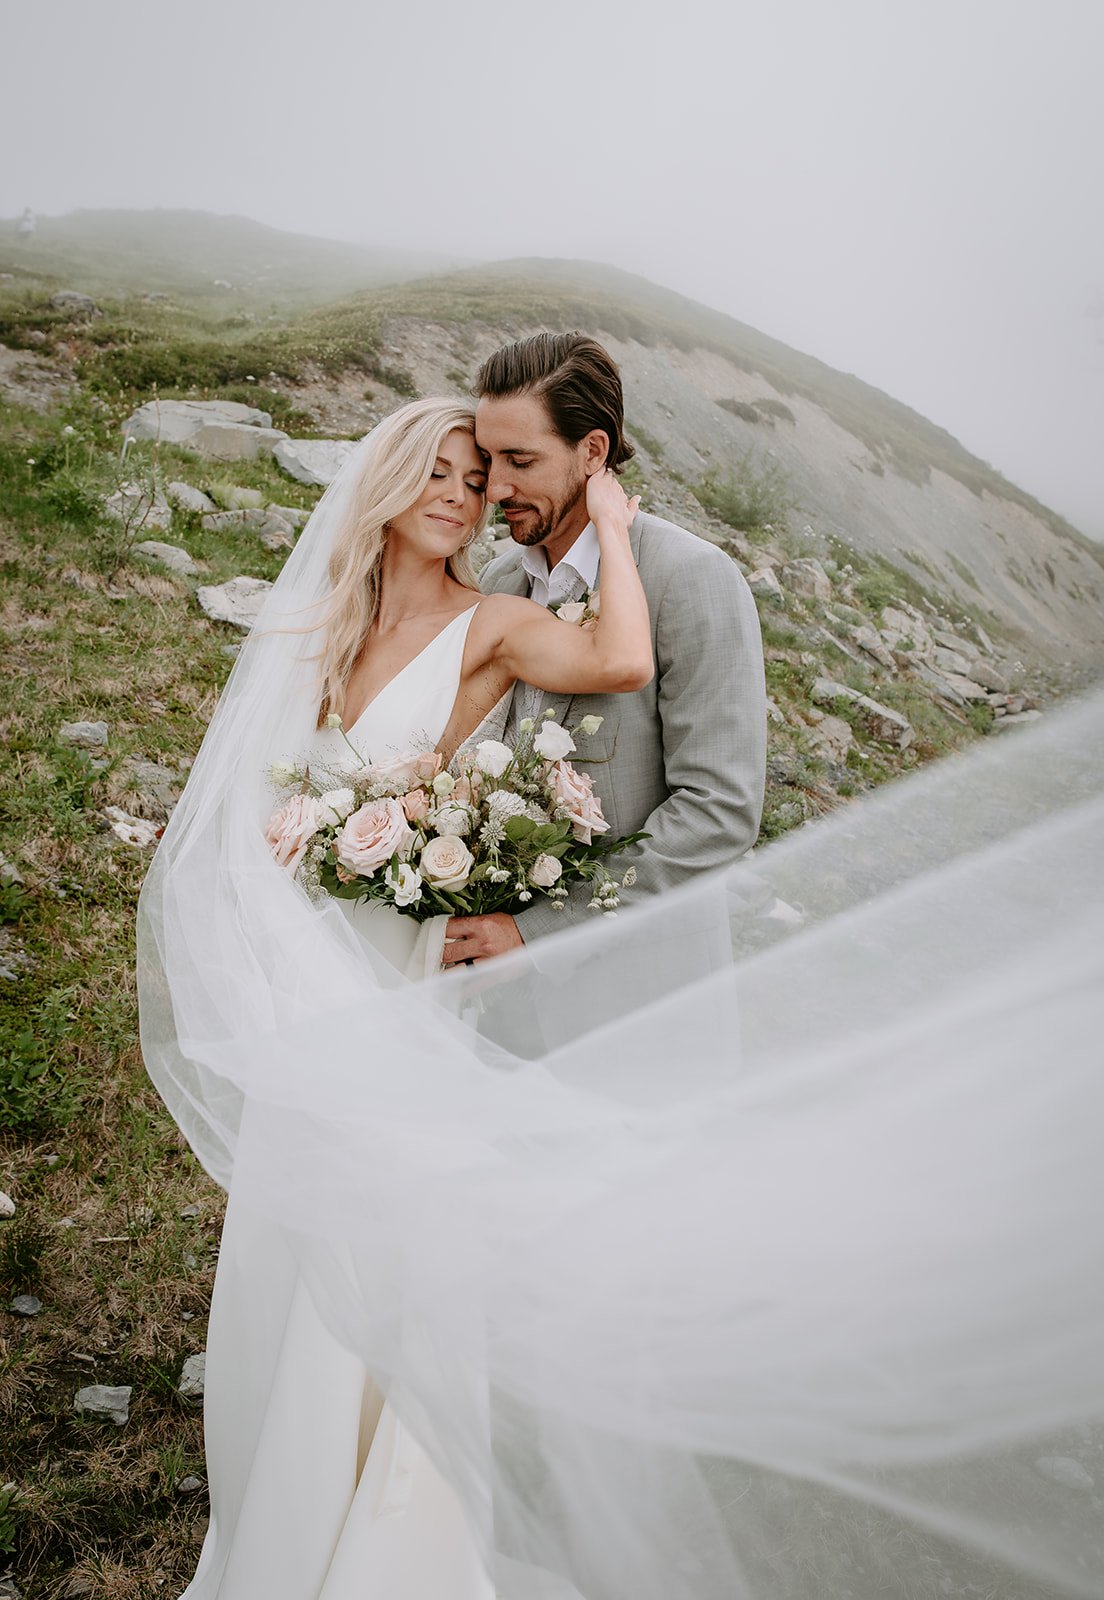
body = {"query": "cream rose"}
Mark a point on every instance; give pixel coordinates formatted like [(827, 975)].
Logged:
[(553, 742), (372, 835), (492, 757), (576, 800), (291, 829), (545, 871), (572, 611), (415, 805), (334, 806), (446, 862)]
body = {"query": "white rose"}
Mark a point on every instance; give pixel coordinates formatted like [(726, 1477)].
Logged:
[(446, 862), (590, 725), (444, 783), (553, 742), (283, 773), (334, 806), (492, 757), (545, 871), (572, 611), (452, 820), (405, 883)]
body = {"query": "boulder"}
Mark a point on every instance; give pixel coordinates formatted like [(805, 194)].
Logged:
[(831, 737), (172, 556), (955, 642), (84, 735), (234, 441), (883, 723), (314, 461), (293, 515), (946, 660), (186, 498), (1017, 719), (175, 421), (985, 673), (71, 300), (764, 585), (139, 508), (158, 787), (869, 640), (101, 1400), (238, 601), (953, 686), (906, 632), (807, 577)]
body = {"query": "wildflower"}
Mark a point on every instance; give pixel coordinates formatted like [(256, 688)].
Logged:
[(590, 725), (333, 720)]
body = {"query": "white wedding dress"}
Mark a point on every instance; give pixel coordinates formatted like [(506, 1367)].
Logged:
[(318, 1491)]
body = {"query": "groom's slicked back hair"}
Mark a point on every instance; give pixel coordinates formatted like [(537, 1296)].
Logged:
[(575, 377)]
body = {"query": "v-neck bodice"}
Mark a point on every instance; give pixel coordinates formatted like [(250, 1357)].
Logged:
[(412, 710)]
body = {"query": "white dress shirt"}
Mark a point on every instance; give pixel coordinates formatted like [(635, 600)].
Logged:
[(579, 565), (574, 575)]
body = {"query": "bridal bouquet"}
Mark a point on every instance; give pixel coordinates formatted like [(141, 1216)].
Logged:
[(498, 827)]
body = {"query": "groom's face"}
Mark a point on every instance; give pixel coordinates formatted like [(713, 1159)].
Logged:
[(535, 476)]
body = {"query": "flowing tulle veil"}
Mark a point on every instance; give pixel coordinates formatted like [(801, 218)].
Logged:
[(747, 1244)]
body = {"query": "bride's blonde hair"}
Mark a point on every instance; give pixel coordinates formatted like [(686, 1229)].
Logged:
[(400, 457)]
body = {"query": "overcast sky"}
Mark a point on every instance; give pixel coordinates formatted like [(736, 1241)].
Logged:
[(911, 192)]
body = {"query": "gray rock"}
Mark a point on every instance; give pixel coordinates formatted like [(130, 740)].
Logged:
[(294, 515), (84, 735), (764, 585), (78, 1587), (10, 1590), (172, 556), (774, 713), (189, 1485), (192, 1377), (139, 508), (952, 686), (238, 602), (947, 660), (176, 421), (188, 499), (73, 300), (955, 642), (867, 639), (831, 737), (7, 1205), (25, 1305), (101, 1400), (10, 874), (137, 831), (985, 673), (885, 724), (1066, 1471), (188, 1212), (234, 441), (806, 576), (315, 461), (158, 786)]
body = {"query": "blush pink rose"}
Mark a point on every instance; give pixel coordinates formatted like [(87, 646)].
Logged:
[(575, 799), (415, 805), (372, 835), (404, 771), (291, 829)]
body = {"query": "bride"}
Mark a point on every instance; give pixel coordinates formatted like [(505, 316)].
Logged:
[(748, 1249), (410, 657)]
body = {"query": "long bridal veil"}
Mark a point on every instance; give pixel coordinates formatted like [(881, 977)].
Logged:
[(748, 1244)]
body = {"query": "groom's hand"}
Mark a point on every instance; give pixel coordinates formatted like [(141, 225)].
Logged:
[(477, 938)]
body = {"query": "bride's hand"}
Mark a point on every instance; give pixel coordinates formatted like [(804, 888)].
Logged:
[(607, 501)]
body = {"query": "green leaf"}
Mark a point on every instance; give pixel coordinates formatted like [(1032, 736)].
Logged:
[(519, 828)]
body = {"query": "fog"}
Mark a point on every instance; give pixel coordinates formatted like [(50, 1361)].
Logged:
[(911, 193)]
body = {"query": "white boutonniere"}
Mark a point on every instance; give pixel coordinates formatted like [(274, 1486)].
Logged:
[(579, 611)]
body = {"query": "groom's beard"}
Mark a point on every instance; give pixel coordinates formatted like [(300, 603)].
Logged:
[(543, 526)]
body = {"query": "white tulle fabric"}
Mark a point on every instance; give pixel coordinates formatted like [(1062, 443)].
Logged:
[(751, 1247)]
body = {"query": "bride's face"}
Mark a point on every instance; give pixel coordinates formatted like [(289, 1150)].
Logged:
[(451, 503)]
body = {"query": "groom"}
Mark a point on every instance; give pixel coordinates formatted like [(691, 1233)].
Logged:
[(682, 759)]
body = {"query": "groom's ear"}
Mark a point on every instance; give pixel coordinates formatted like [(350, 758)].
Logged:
[(596, 448)]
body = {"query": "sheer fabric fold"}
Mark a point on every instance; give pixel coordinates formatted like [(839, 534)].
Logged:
[(752, 1246)]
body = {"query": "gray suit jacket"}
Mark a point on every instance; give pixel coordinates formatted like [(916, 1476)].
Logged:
[(684, 758)]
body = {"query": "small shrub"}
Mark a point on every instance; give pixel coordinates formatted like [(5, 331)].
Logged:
[(23, 1243), (981, 716), (75, 775), (754, 494)]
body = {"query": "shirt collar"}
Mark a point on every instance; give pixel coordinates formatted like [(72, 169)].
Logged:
[(582, 559)]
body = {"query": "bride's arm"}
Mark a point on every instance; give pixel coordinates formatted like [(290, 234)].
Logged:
[(611, 656)]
